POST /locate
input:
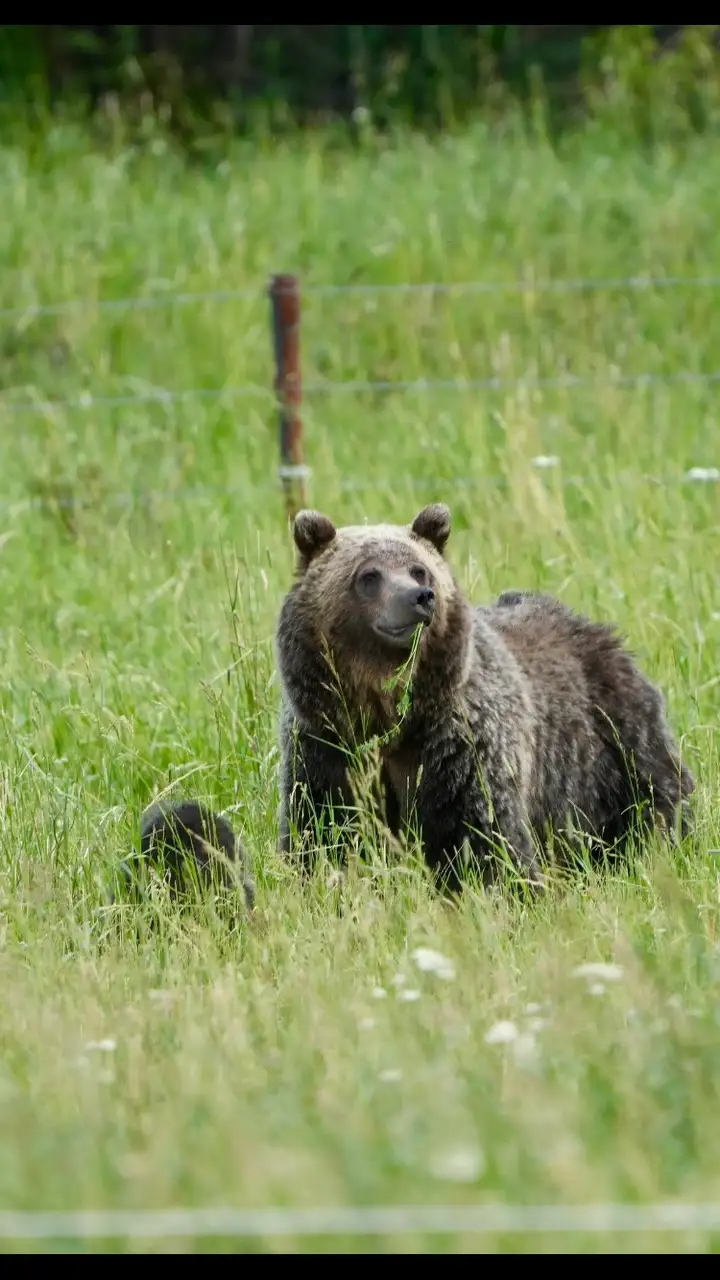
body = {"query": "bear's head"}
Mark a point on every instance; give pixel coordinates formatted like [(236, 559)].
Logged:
[(373, 586)]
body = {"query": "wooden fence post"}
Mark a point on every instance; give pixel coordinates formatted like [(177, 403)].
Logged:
[(285, 301)]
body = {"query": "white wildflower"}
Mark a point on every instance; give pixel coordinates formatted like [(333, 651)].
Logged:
[(399, 980), (533, 1008), (429, 961), (603, 972), (597, 988), (537, 1024), (502, 1033), (366, 1024), (524, 1048), (458, 1164), (702, 473), (390, 1075), (379, 993), (409, 994), (545, 460), (101, 1046), (161, 997)]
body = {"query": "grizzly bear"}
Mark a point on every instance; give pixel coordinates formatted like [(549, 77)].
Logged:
[(520, 719), (172, 834)]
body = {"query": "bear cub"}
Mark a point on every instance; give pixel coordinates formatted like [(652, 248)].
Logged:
[(523, 718), (173, 833)]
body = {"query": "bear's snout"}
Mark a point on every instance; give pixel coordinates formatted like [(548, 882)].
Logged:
[(407, 608), (413, 605), (424, 602)]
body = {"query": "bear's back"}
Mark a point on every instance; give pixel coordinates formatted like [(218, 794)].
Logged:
[(556, 647), (575, 667)]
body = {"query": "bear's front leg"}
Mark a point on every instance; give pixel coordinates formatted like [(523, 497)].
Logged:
[(460, 813), (316, 801)]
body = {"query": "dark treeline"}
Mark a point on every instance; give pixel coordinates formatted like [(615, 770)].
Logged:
[(414, 74)]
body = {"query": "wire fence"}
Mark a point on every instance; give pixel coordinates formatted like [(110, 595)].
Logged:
[(291, 470), (525, 285), (87, 400), (151, 497), (392, 1220)]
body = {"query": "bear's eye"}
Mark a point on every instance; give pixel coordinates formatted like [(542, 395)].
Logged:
[(369, 579), (418, 573)]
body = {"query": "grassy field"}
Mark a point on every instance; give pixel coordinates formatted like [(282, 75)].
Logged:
[(308, 1061)]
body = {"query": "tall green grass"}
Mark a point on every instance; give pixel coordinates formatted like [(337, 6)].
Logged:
[(260, 1066)]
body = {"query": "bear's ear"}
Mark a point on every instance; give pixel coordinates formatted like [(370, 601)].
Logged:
[(433, 524), (312, 533)]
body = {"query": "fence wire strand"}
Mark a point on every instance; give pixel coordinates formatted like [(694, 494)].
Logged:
[(525, 285), (382, 386), (422, 1220), (131, 498)]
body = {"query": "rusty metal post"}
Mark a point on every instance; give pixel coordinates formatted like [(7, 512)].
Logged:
[(285, 301)]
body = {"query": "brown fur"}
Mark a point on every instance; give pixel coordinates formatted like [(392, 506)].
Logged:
[(525, 718)]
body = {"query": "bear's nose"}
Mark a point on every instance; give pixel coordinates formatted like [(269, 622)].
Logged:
[(425, 602)]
